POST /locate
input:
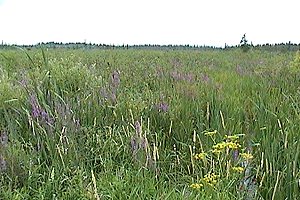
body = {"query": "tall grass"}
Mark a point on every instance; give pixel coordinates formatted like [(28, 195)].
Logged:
[(138, 124)]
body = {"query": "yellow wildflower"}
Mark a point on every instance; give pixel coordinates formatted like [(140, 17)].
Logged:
[(210, 133), (232, 137), (223, 145), (246, 156), (220, 146), (232, 145), (196, 185), (238, 169), (211, 179), (200, 156), (216, 151)]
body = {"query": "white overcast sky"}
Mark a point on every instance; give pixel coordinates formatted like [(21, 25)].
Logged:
[(200, 22)]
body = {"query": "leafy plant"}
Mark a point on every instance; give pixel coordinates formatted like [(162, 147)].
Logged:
[(244, 44)]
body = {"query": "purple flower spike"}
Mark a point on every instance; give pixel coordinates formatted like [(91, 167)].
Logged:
[(175, 75), (3, 139), (162, 107), (115, 79), (138, 129), (189, 77), (144, 143), (134, 145), (3, 165), (235, 155), (44, 115), (113, 96), (24, 79), (36, 110), (205, 78), (239, 70)]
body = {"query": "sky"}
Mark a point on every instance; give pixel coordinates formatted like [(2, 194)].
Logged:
[(194, 22)]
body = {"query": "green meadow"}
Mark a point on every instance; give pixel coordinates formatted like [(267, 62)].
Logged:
[(149, 124)]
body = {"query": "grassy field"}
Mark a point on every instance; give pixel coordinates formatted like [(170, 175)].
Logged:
[(146, 124)]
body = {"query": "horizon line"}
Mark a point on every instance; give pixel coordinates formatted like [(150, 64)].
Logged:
[(144, 44)]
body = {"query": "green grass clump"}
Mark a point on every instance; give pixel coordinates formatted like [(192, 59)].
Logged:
[(11, 92), (145, 124)]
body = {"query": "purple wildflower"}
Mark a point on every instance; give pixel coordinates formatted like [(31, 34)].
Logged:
[(176, 62), (109, 95), (144, 143), (162, 107), (24, 79), (110, 92), (205, 78), (189, 77), (36, 110), (113, 96), (115, 79), (239, 70), (138, 129), (44, 115), (175, 75), (64, 110), (3, 139), (159, 72), (3, 165), (235, 155), (180, 76), (134, 145), (23, 82)]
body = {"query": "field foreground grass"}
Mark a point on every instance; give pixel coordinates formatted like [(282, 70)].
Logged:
[(141, 124)]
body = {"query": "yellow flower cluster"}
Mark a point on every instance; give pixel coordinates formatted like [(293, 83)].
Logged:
[(230, 144), (233, 145), (238, 169), (221, 145), (232, 137), (211, 179), (200, 156), (210, 133), (246, 156), (218, 148), (196, 185), (217, 151)]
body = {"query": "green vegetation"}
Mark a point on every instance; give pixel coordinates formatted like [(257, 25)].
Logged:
[(244, 44), (149, 124)]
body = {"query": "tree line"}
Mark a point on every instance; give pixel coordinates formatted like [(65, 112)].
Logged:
[(282, 47)]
